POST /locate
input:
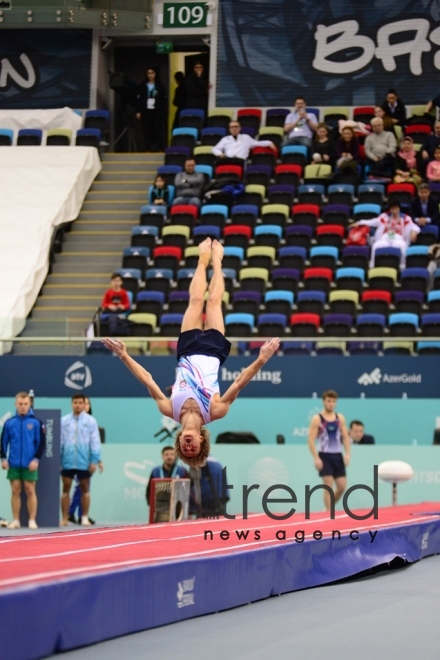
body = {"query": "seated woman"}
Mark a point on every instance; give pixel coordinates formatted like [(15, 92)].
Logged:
[(323, 148), (388, 124), (347, 150), (160, 194), (406, 170), (393, 229), (433, 169)]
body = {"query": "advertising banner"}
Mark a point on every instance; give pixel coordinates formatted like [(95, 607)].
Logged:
[(42, 69), (333, 53)]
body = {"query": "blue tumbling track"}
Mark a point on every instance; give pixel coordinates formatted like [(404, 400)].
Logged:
[(38, 620)]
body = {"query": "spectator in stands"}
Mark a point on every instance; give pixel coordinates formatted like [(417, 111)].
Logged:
[(179, 100), (424, 210), (197, 88), (22, 445), (406, 169), (80, 455), (357, 434), (347, 150), (208, 497), (388, 124), (393, 229), (168, 470), (431, 143), (323, 148), (433, 169), (394, 108), (75, 504), (151, 109), (189, 185), (114, 303), (160, 191), (300, 125), (380, 148), (235, 147), (432, 103)]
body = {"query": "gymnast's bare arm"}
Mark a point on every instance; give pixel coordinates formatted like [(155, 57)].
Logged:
[(118, 347)]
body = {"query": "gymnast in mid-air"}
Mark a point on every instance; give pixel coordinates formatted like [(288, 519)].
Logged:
[(201, 349)]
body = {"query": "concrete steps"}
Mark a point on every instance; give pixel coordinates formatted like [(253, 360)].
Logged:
[(92, 250)]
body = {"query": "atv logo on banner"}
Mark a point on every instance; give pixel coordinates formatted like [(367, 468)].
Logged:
[(78, 376), (372, 378)]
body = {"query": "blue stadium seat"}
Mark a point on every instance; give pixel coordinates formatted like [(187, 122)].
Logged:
[(170, 324), (144, 236), (403, 324), (239, 324), (279, 302), (292, 257), (88, 137), (150, 302), (430, 324), (337, 325), (268, 235), (366, 211), (29, 137), (135, 257), (370, 325), (6, 137), (324, 256), (415, 279), (271, 324), (206, 231)]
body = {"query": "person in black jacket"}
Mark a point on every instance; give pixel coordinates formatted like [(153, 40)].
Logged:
[(424, 209), (179, 100), (197, 88), (151, 110), (394, 108), (357, 435)]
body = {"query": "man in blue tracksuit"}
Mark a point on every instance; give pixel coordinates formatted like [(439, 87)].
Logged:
[(80, 455), (22, 445)]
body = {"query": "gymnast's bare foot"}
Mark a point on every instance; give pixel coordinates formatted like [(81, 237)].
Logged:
[(217, 251), (205, 252)]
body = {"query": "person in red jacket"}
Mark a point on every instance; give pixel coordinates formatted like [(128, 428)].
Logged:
[(116, 298)]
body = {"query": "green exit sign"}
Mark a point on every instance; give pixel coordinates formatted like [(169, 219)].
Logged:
[(185, 14), (164, 47)]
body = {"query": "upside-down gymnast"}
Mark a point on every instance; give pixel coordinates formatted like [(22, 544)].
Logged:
[(201, 349)]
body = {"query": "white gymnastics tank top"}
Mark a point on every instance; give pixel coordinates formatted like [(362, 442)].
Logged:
[(197, 378)]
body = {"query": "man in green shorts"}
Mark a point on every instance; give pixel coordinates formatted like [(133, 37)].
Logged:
[(22, 444)]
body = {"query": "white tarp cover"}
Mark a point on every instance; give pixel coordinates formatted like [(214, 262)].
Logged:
[(43, 119), (40, 188)]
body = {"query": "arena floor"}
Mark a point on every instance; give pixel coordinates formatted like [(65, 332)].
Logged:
[(392, 615)]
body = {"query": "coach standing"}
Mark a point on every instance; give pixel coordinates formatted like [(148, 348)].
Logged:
[(22, 444), (80, 455)]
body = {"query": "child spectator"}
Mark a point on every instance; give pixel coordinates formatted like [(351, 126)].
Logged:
[(116, 298), (433, 169), (160, 192)]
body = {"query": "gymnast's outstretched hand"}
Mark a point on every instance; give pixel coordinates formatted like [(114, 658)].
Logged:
[(269, 348), (116, 346)]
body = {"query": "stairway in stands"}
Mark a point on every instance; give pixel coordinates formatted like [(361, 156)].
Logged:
[(92, 250)]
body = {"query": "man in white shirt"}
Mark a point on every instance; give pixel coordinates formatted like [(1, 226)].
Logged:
[(235, 147), (300, 124)]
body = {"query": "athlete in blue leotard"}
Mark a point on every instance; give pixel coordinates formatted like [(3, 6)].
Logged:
[(330, 429)]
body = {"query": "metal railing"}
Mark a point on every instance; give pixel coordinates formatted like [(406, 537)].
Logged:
[(80, 345)]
